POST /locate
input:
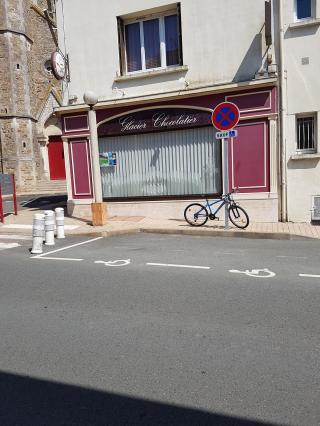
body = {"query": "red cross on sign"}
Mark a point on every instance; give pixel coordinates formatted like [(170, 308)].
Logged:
[(225, 116)]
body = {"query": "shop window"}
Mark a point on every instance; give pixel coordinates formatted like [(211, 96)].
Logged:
[(304, 9), (150, 43), (306, 139)]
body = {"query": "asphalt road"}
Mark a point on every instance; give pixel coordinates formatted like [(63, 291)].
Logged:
[(167, 336)]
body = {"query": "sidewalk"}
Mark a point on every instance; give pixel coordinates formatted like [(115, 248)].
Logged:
[(117, 225)]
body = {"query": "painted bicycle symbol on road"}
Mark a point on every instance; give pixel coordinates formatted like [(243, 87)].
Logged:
[(256, 273), (120, 262)]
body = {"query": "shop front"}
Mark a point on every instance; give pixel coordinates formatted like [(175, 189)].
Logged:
[(155, 156)]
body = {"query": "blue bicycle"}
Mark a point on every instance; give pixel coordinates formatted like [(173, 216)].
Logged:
[(197, 214)]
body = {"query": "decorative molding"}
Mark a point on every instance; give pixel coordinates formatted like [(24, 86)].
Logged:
[(132, 111), (15, 32), (73, 174), (79, 136), (21, 116), (149, 74), (249, 94), (265, 157), (204, 90), (305, 23), (311, 156), (74, 116)]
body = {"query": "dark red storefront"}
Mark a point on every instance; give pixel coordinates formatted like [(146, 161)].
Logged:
[(252, 155)]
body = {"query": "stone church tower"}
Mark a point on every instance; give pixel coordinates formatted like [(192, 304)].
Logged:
[(28, 89)]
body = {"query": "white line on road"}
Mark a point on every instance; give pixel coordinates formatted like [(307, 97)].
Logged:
[(178, 266), (5, 246), (66, 248), (309, 275), (293, 257), (14, 237), (57, 258)]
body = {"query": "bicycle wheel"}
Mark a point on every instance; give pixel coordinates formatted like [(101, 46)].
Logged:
[(238, 216), (196, 214)]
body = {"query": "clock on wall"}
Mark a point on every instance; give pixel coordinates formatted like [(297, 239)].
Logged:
[(58, 65)]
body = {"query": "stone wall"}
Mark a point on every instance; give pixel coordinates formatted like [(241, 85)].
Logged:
[(26, 43)]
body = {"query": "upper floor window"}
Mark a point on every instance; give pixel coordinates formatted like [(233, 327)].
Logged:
[(305, 9), (150, 43), (306, 135)]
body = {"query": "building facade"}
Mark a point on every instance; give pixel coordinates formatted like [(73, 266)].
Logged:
[(299, 24), (159, 69), (29, 92)]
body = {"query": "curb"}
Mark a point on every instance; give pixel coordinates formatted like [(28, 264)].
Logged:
[(191, 232), (113, 233), (194, 232), (225, 234)]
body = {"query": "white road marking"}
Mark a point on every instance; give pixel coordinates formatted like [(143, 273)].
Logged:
[(293, 257), (14, 237), (121, 262), (231, 254), (23, 226), (57, 258), (66, 248), (309, 275), (256, 273), (178, 266), (5, 246)]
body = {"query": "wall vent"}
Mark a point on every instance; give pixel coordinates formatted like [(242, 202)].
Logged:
[(315, 212)]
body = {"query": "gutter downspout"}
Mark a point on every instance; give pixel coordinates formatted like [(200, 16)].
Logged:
[(283, 111)]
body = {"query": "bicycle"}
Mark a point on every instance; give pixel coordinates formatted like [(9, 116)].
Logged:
[(197, 214)]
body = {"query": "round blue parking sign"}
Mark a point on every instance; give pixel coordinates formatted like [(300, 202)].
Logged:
[(225, 116)]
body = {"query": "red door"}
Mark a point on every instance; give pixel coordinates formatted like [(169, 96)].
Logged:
[(56, 159)]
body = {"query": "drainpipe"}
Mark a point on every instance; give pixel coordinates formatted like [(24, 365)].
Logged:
[(283, 113)]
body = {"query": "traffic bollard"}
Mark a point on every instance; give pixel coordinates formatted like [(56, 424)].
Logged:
[(37, 233), (49, 227), (60, 222)]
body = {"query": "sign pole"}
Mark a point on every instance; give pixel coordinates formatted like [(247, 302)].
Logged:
[(225, 180), (225, 117)]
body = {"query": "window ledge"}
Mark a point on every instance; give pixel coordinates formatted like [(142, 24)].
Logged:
[(153, 73), (313, 156), (305, 23)]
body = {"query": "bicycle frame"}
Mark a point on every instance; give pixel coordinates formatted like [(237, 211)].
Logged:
[(225, 199), (208, 205)]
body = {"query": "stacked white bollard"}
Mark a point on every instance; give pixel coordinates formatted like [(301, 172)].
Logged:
[(37, 233), (60, 222), (49, 223)]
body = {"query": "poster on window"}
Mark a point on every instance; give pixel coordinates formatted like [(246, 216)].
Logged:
[(107, 159)]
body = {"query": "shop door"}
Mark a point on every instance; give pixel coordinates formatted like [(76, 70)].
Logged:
[(56, 159), (162, 164)]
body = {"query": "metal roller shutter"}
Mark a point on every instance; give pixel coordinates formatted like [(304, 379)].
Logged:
[(182, 162)]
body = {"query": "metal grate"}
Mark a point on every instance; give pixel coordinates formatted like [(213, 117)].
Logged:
[(305, 134), (315, 212)]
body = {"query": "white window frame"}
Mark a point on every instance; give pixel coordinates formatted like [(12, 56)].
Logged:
[(313, 11), (315, 127), (162, 38)]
